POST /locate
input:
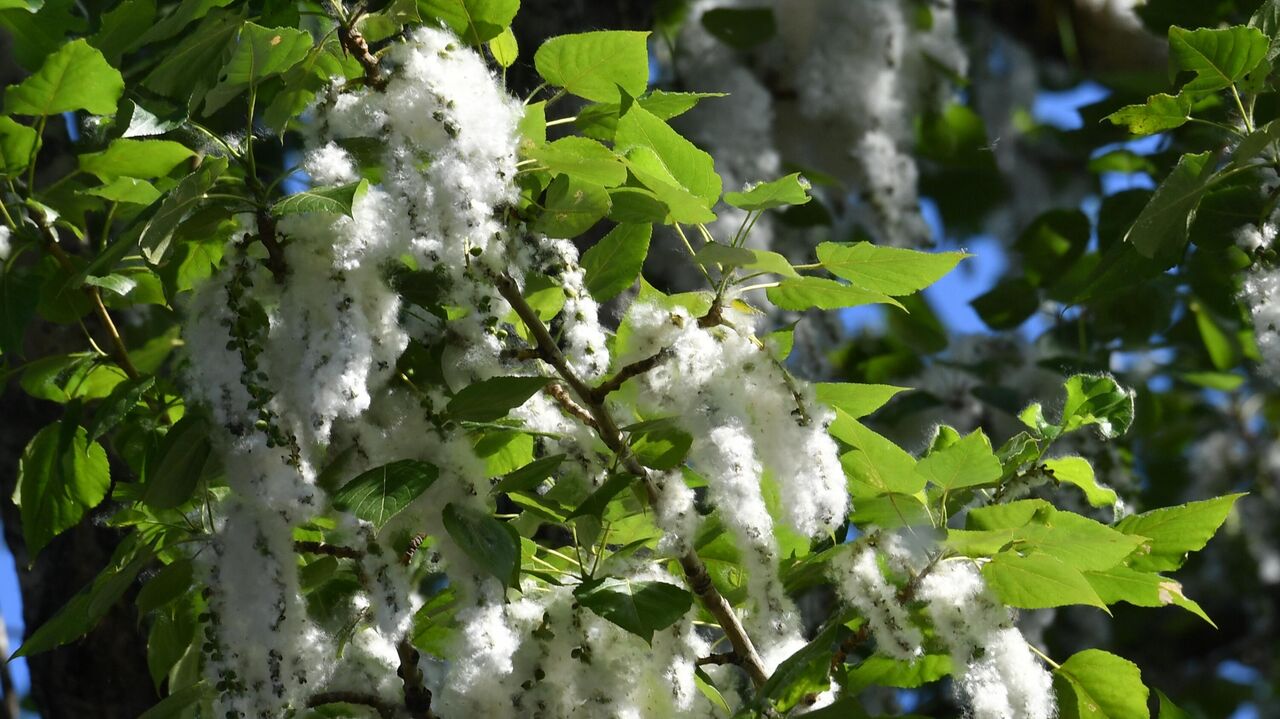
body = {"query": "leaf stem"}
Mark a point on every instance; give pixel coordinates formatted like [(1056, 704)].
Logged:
[(1244, 115)]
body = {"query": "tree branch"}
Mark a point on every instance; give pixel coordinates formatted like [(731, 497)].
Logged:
[(271, 242), (635, 369), (561, 396), (718, 658), (354, 43), (384, 709), (417, 698), (695, 570), (332, 550)]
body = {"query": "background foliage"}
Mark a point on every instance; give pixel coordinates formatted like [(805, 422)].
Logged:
[(136, 132)]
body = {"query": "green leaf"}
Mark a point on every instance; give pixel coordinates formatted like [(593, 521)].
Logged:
[(1008, 304), (1267, 19), (660, 443), (504, 48), (1101, 686), (595, 503), (1218, 57), (1254, 144), (676, 203), (383, 492), (176, 704), (531, 475), (594, 65), (1160, 230), (666, 105), (333, 200), (714, 253), (388, 21), (856, 400), (877, 465), (888, 270), (182, 457), (129, 190), (17, 141), (61, 476), (1097, 401), (475, 21), (143, 159), (966, 463), (181, 201), (168, 584), (1126, 161), (491, 399), (1141, 589), (258, 53), (740, 28), (641, 608), (1176, 531), (799, 294), (805, 672), (123, 398), (1038, 581), (672, 156), (1159, 113), (187, 70), (582, 158), (1077, 471), (790, 190), (638, 206), (76, 77), (878, 670), (83, 612), (572, 207), (1051, 244), (1223, 351), (1169, 710), (120, 28), (493, 545), (613, 264)]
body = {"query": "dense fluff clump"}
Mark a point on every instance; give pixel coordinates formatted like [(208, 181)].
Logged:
[(1261, 293), (997, 674), (861, 583), (751, 428)]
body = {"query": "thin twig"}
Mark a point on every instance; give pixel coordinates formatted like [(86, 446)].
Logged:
[(333, 550), (635, 369), (718, 658), (695, 570), (561, 396)]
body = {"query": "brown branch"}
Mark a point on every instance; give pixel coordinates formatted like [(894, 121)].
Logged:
[(718, 658), (271, 243), (561, 396), (635, 369), (417, 698), (332, 550), (384, 709), (354, 43), (695, 570)]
